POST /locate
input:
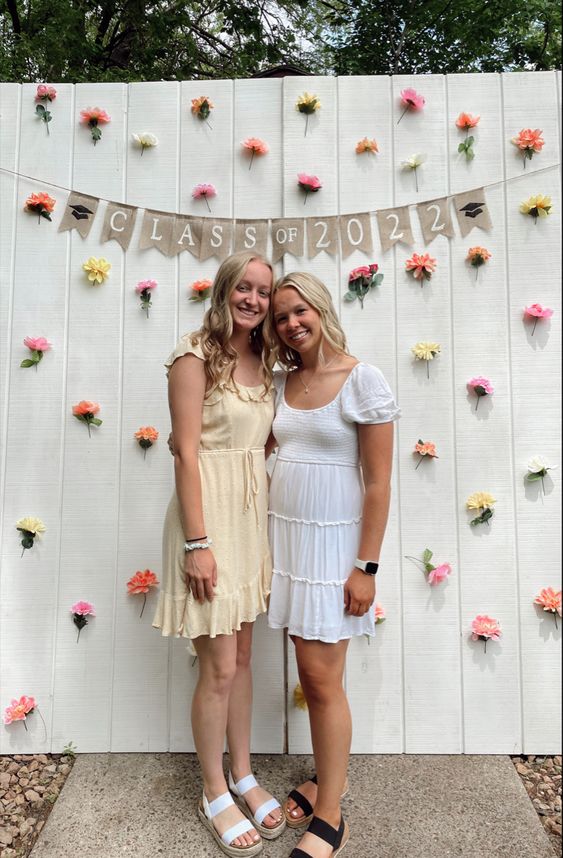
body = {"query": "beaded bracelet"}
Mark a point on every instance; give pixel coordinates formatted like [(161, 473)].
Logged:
[(192, 546)]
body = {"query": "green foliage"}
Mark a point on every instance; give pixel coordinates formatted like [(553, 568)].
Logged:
[(70, 750)]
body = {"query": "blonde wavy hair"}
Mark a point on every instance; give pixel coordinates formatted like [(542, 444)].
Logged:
[(217, 329), (315, 293)]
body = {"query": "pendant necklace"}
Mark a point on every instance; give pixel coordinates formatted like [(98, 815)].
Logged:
[(306, 387)]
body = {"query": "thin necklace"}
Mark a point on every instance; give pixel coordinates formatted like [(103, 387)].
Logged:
[(325, 366)]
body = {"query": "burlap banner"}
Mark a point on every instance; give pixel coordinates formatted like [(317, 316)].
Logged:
[(322, 234), (216, 238), (186, 235), (119, 221), (435, 219), (251, 235), (355, 233), (472, 210), (156, 231), (288, 236), (394, 225), (79, 214)]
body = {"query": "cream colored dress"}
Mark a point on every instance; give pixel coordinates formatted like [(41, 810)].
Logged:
[(235, 427)]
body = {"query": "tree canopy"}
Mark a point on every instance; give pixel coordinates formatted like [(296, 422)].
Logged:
[(126, 40)]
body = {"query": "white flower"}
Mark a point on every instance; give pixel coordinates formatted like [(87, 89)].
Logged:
[(145, 140), (538, 464), (413, 162)]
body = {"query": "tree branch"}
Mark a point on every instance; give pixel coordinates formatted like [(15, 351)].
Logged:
[(14, 15)]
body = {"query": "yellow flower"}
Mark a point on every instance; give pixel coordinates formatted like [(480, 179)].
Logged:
[(480, 500), (97, 269), (31, 524), (425, 351), (307, 103), (536, 206), (299, 698)]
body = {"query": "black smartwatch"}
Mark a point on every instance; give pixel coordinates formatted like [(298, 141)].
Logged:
[(370, 567)]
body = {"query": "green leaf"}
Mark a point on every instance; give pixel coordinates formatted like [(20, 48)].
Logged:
[(96, 421), (461, 147), (40, 110), (427, 556), (27, 362), (533, 477), (96, 133), (46, 215), (350, 296), (470, 154), (378, 279), (80, 417), (469, 141)]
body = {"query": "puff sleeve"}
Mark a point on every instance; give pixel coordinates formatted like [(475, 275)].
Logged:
[(184, 347), (367, 398)]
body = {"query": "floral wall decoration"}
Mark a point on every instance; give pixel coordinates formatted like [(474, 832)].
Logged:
[(93, 117), (145, 140), (484, 628), (309, 184), (478, 256), (18, 710), (538, 467), (146, 436), (465, 122), (201, 289), (37, 346), (30, 528), (426, 351), (80, 612), (537, 312), (86, 411), (307, 104), (481, 501), (413, 163), (201, 108), (529, 141), (366, 145), (97, 270), (361, 280), (480, 386), (550, 600), (40, 204), (140, 584), (45, 95), (144, 289), (435, 574), (255, 146), (537, 207), (411, 100), (204, 191), (424, 449), (421, 267)]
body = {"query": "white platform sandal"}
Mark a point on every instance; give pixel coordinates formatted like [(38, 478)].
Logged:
[(209, 810), (239, 790)]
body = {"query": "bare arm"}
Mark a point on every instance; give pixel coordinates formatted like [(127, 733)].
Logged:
[(376, 456), (271, 445)]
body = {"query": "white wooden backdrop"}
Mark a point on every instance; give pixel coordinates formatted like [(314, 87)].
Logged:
[(421, 686)]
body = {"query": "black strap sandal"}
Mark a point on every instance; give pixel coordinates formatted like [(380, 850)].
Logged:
[(304, 804), (335, 837)]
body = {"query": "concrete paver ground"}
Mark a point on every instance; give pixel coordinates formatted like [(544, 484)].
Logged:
[(143, 805)]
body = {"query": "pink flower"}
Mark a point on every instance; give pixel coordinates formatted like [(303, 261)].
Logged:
[(485, 628), (45, 93), (93, 117), (439, 574), (145, 285), (84, 609), (361, 271), (481, 386), (204, 191), (529, 140), (411, 100), (256, 147), (550, 600), (536, 311), (465, 121), (18, 709), (310, 184), (421, 266), (425, 448), (38, 344), (379, 613)]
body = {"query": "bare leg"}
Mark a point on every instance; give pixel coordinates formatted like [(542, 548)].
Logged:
[(239, 723), (321, 671), (210, 704)]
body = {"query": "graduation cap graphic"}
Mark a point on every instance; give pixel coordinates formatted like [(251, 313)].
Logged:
[(473, 209), (80, 212)]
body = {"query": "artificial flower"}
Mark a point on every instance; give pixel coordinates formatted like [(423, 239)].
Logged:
[(425, 448), (310, 184), (436, 574), (481, 386), (85, 411), (97, 269), (550, 600), (141, 582), (145, 140), (413, 163), (18, 710), (79, 611), (203, 191), (45, 93), (146, 436), (477, 256), (464, 122), (40, 204), (307, 104), (361, 280), (93, 117), (202, 107), (483, 501), (200, 290), (536, 311), (484, 628), (144, 289), (421, 266), (538, 206), (299, 697), (537, 470), (529, 141), (426, 351), (36, 345), (29, 527), (365, 145), (379, 613), (411, 100), (256, 147)]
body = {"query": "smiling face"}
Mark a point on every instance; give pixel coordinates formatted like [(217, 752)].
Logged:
[(297, 323), (250, 299)]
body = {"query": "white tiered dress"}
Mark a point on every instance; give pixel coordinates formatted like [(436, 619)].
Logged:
[(316, 501)]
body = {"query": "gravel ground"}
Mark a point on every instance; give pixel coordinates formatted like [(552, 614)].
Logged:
[(30, 784)]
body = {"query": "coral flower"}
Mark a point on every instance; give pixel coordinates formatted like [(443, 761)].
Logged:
[(425, 448), (29, 527), (307, 104), (481, 386), (483, 501), (93, 117), (141, 582), (538, 206), (421, 267), (484, 628), (200, 290), (19, 709), (145, 140), (550, 600), (411, 100), (310, 184), (97, 269), (45, 92), (426, 351), (146, 436), (202, 107), (536, 311), (85, 411), (379, 613), (36, 345), (79, 611), (299, 697), (365, 145), (203, 191), (465, 121), (40, 204), (529, 141), (256, 147)]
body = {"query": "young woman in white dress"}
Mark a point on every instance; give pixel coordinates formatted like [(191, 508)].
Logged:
[(329, 500)]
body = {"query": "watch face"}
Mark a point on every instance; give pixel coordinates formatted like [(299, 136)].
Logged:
[(371, 568)]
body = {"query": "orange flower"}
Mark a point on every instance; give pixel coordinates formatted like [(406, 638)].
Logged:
[(202, 107), (529, 138), (478, 255), (141, 582), (425, 448), (40, 204), (146, 433), (256, 147), (366, 145), (85, 407), (466, 121), (201, 285)]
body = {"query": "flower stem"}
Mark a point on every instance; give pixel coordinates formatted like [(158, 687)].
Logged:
[(476, 274), (535, 323), (208, 124), (477, 406), (485, 644), (543, 486), (48, 132), (306, 195), (416, 180), (418, 466), (78, 635), (402, 114), (427, 369), (25, 725), (555, 618), (251, 160), (144, 452), (206, 203), (88, 425), (306, 124), (144, 601)]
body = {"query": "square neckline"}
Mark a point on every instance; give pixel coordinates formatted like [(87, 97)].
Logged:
[(321, 407)]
